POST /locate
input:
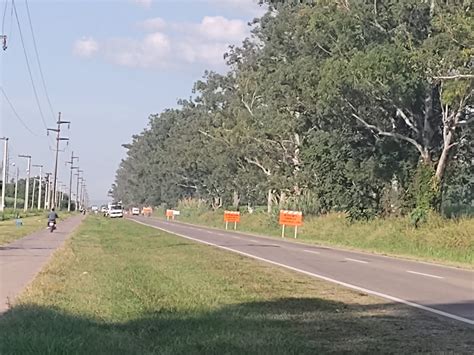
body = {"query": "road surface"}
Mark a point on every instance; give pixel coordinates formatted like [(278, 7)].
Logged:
[(443, 290)]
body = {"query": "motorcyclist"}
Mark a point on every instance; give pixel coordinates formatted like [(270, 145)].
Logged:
[(52, 216)]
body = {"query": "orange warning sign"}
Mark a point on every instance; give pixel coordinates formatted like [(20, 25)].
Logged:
[(291, 218), (147, 211), (232, 216)]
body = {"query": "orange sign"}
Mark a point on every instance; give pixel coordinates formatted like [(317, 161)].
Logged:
[(232, 216), (169, 213), (146, 211), (291, 218)]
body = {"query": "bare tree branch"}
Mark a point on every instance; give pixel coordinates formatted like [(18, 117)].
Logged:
[(407, 120), (258, 164), (390, 134), (456, 76), (214, 138), (249, 109)]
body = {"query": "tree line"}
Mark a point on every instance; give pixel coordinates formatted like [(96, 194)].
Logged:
[(357, 106)]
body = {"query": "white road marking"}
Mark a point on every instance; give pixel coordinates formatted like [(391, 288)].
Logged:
[(369, 254), (325, 278), (311, 251), (427, 275), (357, 261)]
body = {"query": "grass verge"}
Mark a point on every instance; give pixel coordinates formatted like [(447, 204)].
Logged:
[(122, 288), (440, 240), (9, 231)]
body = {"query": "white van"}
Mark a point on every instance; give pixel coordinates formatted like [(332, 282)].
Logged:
[(115, 211)]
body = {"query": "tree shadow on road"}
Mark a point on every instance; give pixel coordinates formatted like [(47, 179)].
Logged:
[(283, 326)]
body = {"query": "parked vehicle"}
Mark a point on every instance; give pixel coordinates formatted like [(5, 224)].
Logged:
[(135, 211)]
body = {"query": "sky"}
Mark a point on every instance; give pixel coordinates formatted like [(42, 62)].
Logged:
[(107, 65)]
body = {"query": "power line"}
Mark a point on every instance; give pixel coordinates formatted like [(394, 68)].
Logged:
[(16, 113), (28, 66), (4, 15), (38, 59)]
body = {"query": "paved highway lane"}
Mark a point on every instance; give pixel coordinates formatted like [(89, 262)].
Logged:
[(443, 290)]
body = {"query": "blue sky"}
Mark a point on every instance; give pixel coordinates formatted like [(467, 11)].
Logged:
[(108, 65)]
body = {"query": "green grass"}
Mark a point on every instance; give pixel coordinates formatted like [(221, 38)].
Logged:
[(122, 288), (10, 213), (447, 241), (10, 232)]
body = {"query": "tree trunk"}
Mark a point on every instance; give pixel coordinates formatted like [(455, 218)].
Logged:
[(269, 201), (443, 159), (282, 199), (235, 199)]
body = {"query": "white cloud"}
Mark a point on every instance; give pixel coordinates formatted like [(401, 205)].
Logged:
[(220, 28), (144, 3), (153, 51), (171, 44), (153, 24), (86, 47), (248, 7)]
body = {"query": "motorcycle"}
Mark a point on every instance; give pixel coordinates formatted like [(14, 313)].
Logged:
[(51, 226)]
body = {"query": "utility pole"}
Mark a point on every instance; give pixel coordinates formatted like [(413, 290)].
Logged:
[(83, 185), (16, 186), (58, 139), (70, 179), (57, 200), (33, 193), (47, 193), (27, 188), (77, 187), (4, 171), (3, 38), (40, 184)]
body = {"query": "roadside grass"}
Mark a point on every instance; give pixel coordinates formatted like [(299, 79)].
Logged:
[(442, 240), (9, 231), (122, 288), (10, 213)]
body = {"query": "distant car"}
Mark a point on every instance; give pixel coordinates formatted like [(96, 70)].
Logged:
[(115, 211), (135, 211)]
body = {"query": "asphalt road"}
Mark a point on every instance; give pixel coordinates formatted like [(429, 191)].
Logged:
[(446, 291)]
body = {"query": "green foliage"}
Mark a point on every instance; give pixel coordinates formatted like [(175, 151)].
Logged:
[(330, 105), (427, 193)]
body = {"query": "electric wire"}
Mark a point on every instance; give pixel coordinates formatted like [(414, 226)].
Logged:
[(29, 67), (4, 16), (38, 60), (16, 113)]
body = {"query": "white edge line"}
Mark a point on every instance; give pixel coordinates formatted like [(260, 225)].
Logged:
[(311, 251), (375, 293), (357, 261), (423, 274)]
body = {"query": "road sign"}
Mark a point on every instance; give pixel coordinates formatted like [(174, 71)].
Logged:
[(147, 211), (290, 218), (170, 214), (232, 217)]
